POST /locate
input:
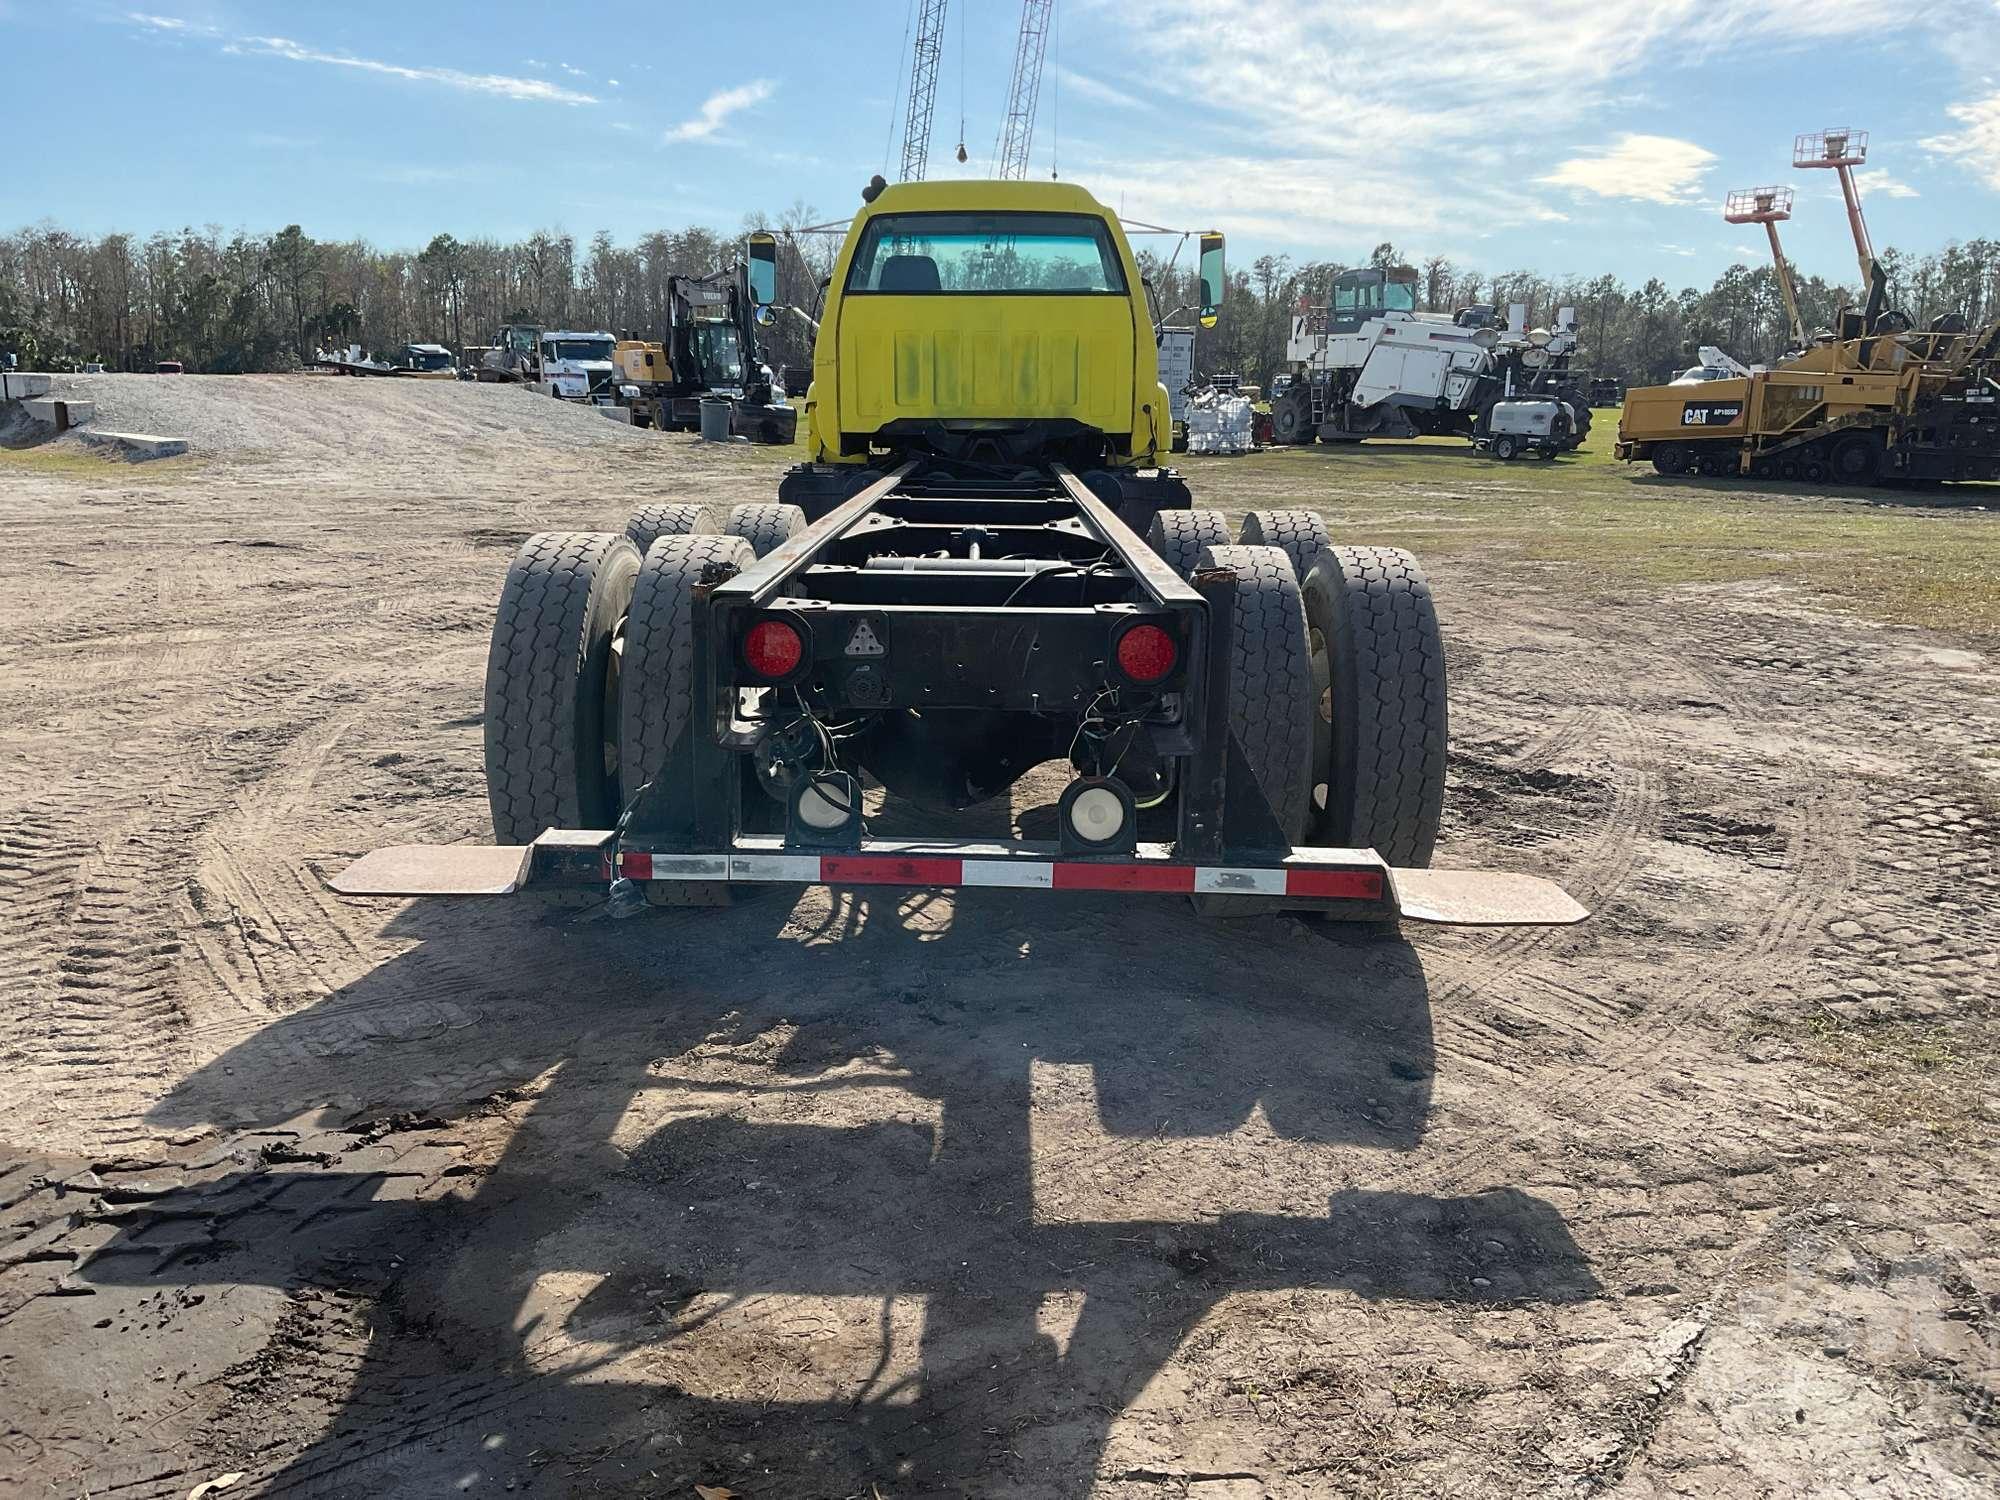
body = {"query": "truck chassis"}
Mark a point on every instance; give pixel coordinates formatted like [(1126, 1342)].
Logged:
[(946, 625)]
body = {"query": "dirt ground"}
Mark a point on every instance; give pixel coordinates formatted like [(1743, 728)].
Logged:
[(908, 1194)]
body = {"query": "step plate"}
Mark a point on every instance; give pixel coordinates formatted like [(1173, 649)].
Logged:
[(1484, 898), (436, 870)]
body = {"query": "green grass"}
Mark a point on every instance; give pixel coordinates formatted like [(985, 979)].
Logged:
[(1899, 557), (52, 462), (1904, 1073), (1928, 559)]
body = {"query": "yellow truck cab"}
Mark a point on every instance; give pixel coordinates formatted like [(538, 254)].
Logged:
[(1002, 318)]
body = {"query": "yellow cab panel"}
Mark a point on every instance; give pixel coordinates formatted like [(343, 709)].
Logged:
[(1002, 302)]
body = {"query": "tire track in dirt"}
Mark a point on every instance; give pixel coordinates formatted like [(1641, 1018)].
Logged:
[(261, 937), (88, 951), (274, 942), (1639, 1041), (94, 918), (1470, 965)]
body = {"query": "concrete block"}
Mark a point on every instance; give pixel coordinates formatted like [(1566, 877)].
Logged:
[(618, 413), (136, 444), (20, 385), (59, 414)]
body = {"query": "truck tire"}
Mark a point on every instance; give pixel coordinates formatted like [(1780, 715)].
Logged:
[(1380, 730), (1290, 422), (656, 681), (651, 522), (1179, 536), (1299, 534), (765, 526), (1270, 679), (552, 685)]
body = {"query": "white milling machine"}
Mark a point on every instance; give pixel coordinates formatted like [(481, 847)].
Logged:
[(1370, 365)]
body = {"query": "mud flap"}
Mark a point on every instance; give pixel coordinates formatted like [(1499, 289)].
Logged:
[(430, 870), (558, 857), (1483, 898)]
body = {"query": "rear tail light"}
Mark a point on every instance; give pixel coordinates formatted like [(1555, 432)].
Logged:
[(1146, 654), (773, 649)]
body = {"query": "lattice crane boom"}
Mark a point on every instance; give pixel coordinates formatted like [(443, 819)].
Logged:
[(1017, 134), (923, 88)]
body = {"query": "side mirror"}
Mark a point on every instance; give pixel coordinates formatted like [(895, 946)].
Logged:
[(763, 269), (765, 317), (1211, 278)]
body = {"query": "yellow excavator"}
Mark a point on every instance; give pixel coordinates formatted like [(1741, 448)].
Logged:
[(1871, 401)]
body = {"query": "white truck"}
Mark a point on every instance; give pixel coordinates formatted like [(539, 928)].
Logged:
[(578, 367), (1369, 365)]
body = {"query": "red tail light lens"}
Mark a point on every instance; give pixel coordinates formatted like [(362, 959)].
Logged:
[(1146, 653), (773, 648)]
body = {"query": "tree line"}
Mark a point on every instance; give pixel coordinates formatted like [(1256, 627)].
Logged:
[(244, 303)]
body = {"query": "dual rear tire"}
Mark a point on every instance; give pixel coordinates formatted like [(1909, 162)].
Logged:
[(552, 685), (1337, 690), (589, 676), (764, 526)]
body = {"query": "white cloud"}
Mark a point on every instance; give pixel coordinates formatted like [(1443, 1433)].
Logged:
[(1879, 183), (1977, 145), (532, 89), (1363, 73), (1322, 207), (178, 26), (1651, 168), (1098, 91), (1463, 103), (717, 108)]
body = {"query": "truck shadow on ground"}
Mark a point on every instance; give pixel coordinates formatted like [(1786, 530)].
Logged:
[(925, 1207)]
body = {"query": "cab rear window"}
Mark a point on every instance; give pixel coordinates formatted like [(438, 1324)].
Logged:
[(1003, 254)]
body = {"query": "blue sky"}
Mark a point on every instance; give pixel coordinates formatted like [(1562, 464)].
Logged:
[(1566, 135)]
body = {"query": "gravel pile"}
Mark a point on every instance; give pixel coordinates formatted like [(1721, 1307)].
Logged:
[(320, 417)]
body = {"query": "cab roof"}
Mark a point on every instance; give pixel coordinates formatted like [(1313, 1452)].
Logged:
[(970, 195)]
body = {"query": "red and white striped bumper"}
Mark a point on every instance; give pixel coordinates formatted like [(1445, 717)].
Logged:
[(1354, 881), (1361, 877)]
